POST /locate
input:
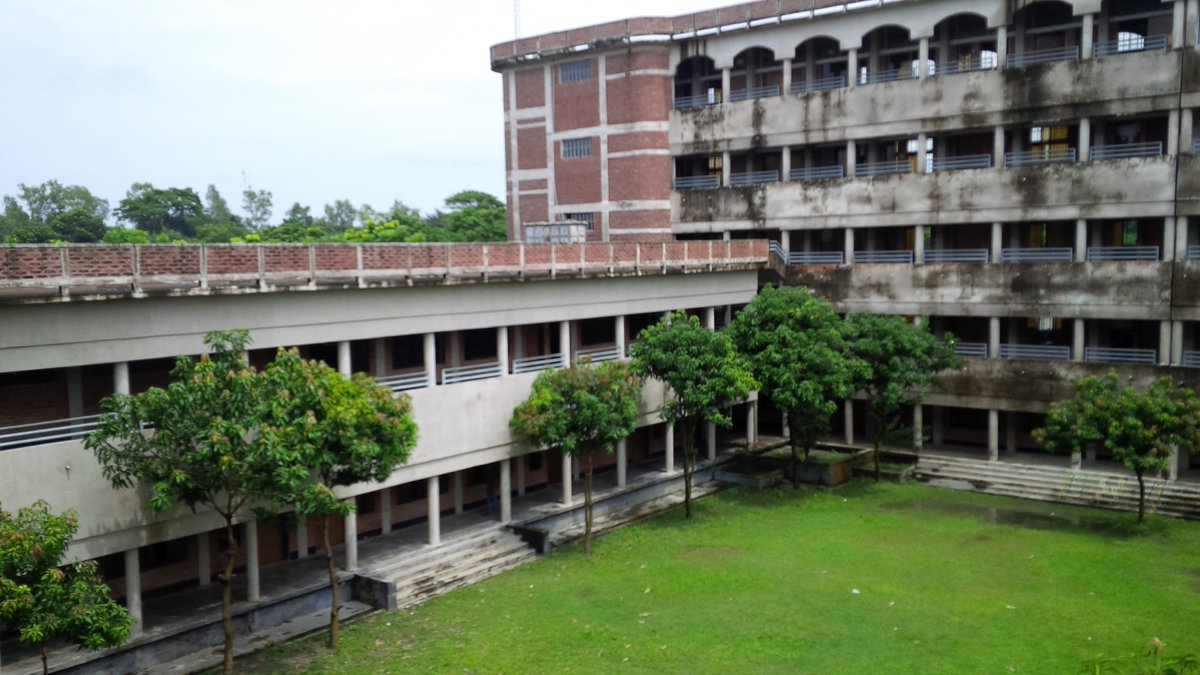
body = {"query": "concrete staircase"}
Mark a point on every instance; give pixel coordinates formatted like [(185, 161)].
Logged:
[(473, 556), (1059, 484)]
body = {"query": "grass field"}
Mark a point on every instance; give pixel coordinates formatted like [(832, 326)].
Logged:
[(866, 579)]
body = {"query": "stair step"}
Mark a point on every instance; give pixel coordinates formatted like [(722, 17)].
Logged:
[(432, 555), (451, 563), (464, 578)]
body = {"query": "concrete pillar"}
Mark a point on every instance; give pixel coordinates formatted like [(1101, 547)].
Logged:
[(1087, 35), (728, 314), (918, 428), (852, 67), (619, 334), (710, 440), (429, 349), (505, 491), (433, 497), (710, 318), (1164, 342), (1186, 120), (1081, 230), (457, 487), (253, 585), (848, 246), (851, 157), (919, 244), (1181, 237), (343, 357), (454, 348), (1168, 247), (725, 83), (1085, 139), (133, 589), (203, 559), (993, 437), (564, 342), (121, 377), (379, 346), (74, 391), (725, 170), (1077, 340), (787, 78), (997, 242), (1076, 460), (1173, 148), (848, 417), (301, 534), (351, 528), (994, 337), (998, 147), (1190, 29), (669, 448), (922, 58), (502, 348), (622, 463), (566, 480), (1001, 46), (785, 164), (922, 151), (1173, 463), (752, 424), (1177, 342), (935, 430)]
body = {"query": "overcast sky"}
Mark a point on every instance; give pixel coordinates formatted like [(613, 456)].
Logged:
[(313, 100)]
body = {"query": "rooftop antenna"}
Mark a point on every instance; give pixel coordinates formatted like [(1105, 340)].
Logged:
[(516, 19)]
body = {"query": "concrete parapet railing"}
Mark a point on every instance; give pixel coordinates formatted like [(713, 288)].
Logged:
[(139, 267)]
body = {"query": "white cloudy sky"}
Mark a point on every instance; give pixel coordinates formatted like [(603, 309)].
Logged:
[(369, 100)]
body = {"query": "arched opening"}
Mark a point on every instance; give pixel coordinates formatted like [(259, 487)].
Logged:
[(1044, 32), (697, 83), (962, 43), (819, 64), (1133, 26), (891, 54), (756, 74)]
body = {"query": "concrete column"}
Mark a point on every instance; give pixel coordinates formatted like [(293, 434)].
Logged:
[(994, 337), (935, 431), (785, 241), (1164, 342), (725, 169), (301, 535), (1181, 237), (619, 334), (993, 437), (457, 487), (1169, 243), (1185, 130), (121, 377), (669, 448), (203, 559), (505, 491), (752, 424), (566, 480), (852, 67), (343, 357), (433, 497), (1192, 14), (710, 318), (1177, 342), (379, 346), (848, 246), (918, 428), (923, 58), (1001, 46), (725, 84), (1173, 133), (1085, 139), (1077, 340), (429, 349), (728, 314), (785, 164), (848, 417), (922, 151), (919, 244), (851, 157), (564, 343), (454, 348), (133, 589), (997, 241), (710, 440), (787, 78), (253, 586), (1087, 35), (385, 510), (74, 391), (1173, 463), (998, 147), (351, 528), (502, 348), (622, 462), (1081, 230)]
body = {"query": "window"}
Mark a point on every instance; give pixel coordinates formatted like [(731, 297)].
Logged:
[(588, 218), (576, 147), (575, 71), (408, 351)]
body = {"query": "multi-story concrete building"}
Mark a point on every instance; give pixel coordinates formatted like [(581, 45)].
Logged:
[(1024, 174)]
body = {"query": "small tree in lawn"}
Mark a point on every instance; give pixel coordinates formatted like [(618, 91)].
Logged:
[(797, 350), (199, 442), (704, 373), (1138, 428), (41, 598), (580, 411), (901, 360), (342, 431)]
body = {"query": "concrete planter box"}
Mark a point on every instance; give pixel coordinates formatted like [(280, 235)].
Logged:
[(837, 468)]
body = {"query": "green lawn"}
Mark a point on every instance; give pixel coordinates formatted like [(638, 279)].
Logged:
[(765, 582)]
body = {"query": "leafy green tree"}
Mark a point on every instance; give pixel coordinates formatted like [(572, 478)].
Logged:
[(158, 210), (257, 205), (78, 226), (580, 411), (471, 216), (200, 442), (125, 235), (1138, 428), (300, 215), (220, 232), (216, 208), (339, 216), (30, 232), (797, 350), (13, 219), (704, 373), (900, 361), (343, 431), (46, 201), (44, 600)]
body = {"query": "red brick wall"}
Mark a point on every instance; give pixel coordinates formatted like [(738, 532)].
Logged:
[(168, 260), (639, 98), (285, 258), (232, 259), (639, 177), (639, 219), (576, 104), (531, 148), (30, 263), (576, 180), (100, 261), (531, 87), (333, 257)]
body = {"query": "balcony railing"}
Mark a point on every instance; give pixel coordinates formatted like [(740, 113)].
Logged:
[(1193, 252), (899, 257), (1039, 157), (754, 93), (822, 84), (404, 382), (1191, 359), (530, 364), (1122, 253), (1134, 43), (891, 75), (478, 371), (753, 178), (883, 168), (1042, 352), (1126, 150), (1037, 255), (697, 101), (956, 255), (967, 65), (963, 162), (1196, 146), (598, 354), (816, 258), (975, 349), (697, 182), (817, 173), (36, 433), (776, 249), (1043, 56), (1107, 355)]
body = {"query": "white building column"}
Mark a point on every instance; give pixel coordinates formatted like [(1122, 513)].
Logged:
[(852, 67), (1164, 342), (622, 462), (1168, 248), (785, 163), (379, 347), (121, 377), (301, 534), (502, 348), (1087, 35), (851, 158), (343, 357), (751, 424), (919, 244), (994, 337), (203, 559), (669, 448), (997, 241), (1191, 22), (1177, 342), (923, 58), (1085, 138), (918, 428), (1077, 339), (351, 530), (710, 318), (1081, 231), (1173, 463), (848, 421), (505, 491), (457, 488), (998, 146), (710, 440), (566, 480), (786, 87), (993, 437), (619, 334), (725, 171), (385, 510), (253, 586), (1001, 46), (433, 498), (429, 352), (564, 343), (1185, 129), (726, 84), (1173, 148), (133, 589), (848, 246)]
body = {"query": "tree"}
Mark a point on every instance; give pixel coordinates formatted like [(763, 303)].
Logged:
[(1141, 429), (471, 216), (343, 431), (300, 215), (257, 204), (160, 210), (46, 201), (78, 226), (900, 361), (216, 209), (41, 598), (704, 373), (797, 350), (125, 235), (339, 216), (205, 446), (580, 411)]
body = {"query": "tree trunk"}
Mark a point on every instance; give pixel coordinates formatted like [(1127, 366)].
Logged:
[(45, 662), (689, 431), (335, 602), (227, 593), (587, 504), (1141, 498)]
